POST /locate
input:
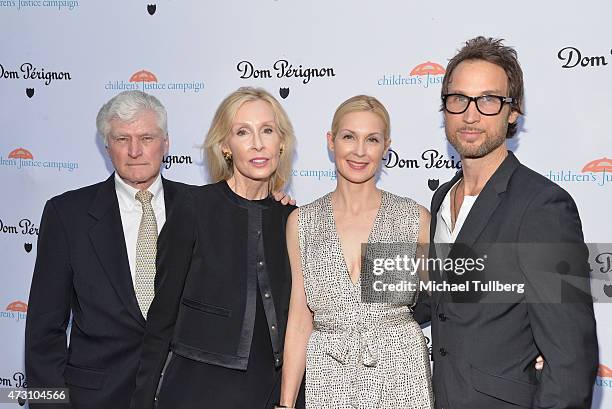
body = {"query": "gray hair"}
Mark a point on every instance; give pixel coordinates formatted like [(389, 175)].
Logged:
[(125, 106)]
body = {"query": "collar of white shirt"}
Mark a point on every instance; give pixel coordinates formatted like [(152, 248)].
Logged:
[(444, 233), (126, 194)]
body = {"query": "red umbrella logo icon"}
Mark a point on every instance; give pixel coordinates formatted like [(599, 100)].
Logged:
[(428, 68), (604, 371), (20, 153), (143, 76), (19, 306), (598, 165)]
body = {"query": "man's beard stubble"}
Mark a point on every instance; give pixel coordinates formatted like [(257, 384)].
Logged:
[(476, 152)]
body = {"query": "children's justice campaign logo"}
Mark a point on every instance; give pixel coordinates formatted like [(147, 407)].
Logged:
[(147, 81), (598, 172), (425, 75), (22, 158)]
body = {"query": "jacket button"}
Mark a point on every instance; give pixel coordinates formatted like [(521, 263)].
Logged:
[(442, 316), (260, 264), (443, 352), (266, 295), (273, 327)]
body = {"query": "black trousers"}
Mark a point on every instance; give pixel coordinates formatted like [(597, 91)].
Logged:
[(189, 384)]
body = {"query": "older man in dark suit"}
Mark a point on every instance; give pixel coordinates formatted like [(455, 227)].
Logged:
[(96, 261), (485, 343)]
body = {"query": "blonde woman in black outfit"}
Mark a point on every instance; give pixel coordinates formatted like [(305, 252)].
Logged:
[(215, 331)]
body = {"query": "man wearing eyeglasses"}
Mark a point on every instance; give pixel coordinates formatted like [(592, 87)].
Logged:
[(485, 339)]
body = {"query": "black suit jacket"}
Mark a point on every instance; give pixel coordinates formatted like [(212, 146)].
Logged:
[(484, 351), (208, 281), (82, 268)]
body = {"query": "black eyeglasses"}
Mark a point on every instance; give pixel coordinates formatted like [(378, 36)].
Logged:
[(485, 104)]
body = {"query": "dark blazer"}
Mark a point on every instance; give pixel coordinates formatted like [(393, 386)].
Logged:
[(82, 268), (211, 267), (484, 352)]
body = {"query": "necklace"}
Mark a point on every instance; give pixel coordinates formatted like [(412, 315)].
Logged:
[(455, 210)]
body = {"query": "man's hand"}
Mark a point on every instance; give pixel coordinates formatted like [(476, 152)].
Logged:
[(283, 197), (539, 365)]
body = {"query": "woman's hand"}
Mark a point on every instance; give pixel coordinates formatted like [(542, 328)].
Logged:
[(283, 197)]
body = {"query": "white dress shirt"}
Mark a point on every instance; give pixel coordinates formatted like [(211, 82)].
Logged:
[(131, 213), (444, 231)]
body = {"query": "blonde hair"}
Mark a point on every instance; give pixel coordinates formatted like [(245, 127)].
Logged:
[(360, 103), (218, 168)]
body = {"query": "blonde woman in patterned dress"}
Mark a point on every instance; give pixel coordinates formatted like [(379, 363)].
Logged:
[(356, 354)]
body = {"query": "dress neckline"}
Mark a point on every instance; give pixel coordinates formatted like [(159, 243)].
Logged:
[(336, 235), (241, 201)]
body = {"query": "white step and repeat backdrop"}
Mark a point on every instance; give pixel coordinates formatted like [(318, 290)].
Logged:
[(60, 60)]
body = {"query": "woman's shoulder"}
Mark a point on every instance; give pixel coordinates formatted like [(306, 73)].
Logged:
[(318, 203), (195, 200), (406, 215), (404, 205), (397, 200), (205, 192), (279, 208), (314, 208), (191, 198)]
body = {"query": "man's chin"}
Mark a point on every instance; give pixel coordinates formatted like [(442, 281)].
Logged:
[(472, 155), (474, 152), (138, 181), (469, 153)]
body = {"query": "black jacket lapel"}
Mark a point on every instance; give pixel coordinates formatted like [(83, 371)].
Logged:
[(108, 241), (485, 205), (488, 200), (436, 202), (171, 190)]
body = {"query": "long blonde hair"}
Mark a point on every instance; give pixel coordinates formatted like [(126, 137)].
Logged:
[(218, 168)]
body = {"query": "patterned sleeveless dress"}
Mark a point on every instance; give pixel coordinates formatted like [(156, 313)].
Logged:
[(360, 355)]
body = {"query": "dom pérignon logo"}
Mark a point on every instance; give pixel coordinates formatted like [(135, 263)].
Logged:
[(573, 57), (29, 71), (283, 69)]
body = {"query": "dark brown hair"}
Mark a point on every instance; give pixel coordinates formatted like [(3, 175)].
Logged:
[(492, 50)]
